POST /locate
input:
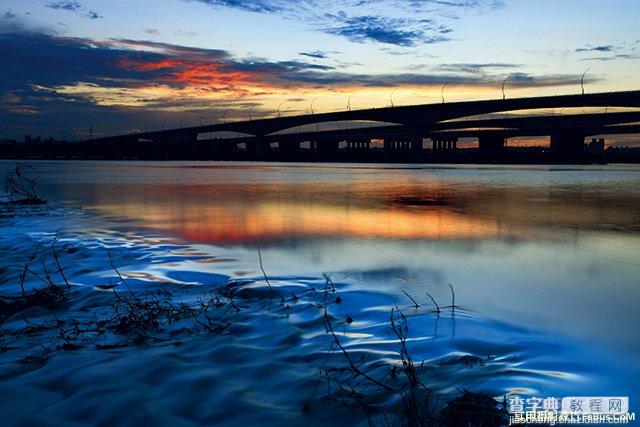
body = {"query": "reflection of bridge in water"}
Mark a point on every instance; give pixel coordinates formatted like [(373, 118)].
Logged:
[(402, 131)]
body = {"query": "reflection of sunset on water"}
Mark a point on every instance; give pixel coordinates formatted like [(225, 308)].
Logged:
[(272, 221), (221, 212)]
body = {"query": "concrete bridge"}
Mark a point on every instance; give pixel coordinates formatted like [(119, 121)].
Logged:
[(406, 127), (492, 135)]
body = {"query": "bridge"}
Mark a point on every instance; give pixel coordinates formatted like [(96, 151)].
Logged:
[(402, 130)]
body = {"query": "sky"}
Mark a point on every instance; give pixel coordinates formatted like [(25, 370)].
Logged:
[(69, 68)]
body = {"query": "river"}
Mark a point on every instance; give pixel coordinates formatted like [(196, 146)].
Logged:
[(544, 263)]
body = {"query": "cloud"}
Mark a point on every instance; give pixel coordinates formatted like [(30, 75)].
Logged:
[(318, 54), (74, 6), (402, 23), (259, 6), (136, 73), (70, 5), (132, 64), (92, 14), (599, 48), (67, 80), (614, 51), (337, 79), (9, 14), (394, 31), (476, 68), (612, 57)]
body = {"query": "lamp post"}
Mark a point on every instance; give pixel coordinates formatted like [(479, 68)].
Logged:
[(503, 83), (311, 105), (582, 80), (442, 91), (280, 105), (349, 102)]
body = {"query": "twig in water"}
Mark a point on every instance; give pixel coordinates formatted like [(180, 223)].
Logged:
[(56, 259), (416, 408), (264, 273), (266, 279), (434, 303), (347, 356), (27, 266), (124, 282), (20, 185), (453, 300), (328, 282), (415, 303)]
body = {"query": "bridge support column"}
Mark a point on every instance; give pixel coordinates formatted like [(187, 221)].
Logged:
[(437, 145), (223, 149), (256, 149), (288, 149), (287, 146), (567, 148), (387, 145), (491, 147), (358, 145), (326, 147), (416, 142), (179, 147), (444, 147)]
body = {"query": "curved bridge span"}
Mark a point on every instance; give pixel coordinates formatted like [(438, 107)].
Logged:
[(421, 115), (403, 135)]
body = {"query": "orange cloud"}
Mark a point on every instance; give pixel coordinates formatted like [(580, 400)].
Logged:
[(200, 74)]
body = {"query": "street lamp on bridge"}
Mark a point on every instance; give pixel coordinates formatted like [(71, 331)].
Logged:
[(503, 83), (442, 91), (311, 105), (391, 97), (582, 80), (280, 105)]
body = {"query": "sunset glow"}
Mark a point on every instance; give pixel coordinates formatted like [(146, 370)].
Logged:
[(188, 62)]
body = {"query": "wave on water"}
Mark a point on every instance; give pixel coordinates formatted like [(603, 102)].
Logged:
[(118, 325)]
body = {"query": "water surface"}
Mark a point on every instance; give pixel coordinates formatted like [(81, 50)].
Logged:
[(544, 262)]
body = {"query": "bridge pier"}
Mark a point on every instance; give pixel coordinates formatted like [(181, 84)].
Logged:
[(289, 148), (401, 146), (358, 144), (227, 149), (491, 147), (288, 145), (404, 147), (326, 149), (417, 142), (444, 146), (392, 147), (181, 146), (257, 148), (567, 147)]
